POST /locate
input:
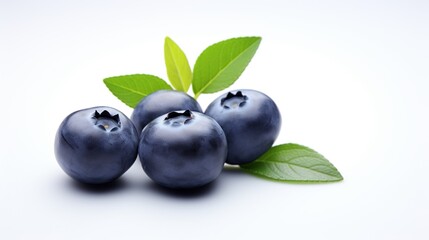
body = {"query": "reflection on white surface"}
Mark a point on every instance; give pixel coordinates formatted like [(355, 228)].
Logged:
[(354, 83)]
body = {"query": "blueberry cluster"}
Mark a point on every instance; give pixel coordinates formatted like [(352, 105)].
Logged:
[(178, 145)]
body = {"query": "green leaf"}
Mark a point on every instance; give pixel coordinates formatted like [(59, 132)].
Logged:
[(293, 162), (130, 89), (221, 64), (178, 69)]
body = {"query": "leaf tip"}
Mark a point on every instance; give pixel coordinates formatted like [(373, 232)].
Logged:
[(106, 80)]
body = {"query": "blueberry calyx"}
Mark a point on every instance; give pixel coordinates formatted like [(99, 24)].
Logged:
[(106, 121), (233, 100), (177, 118)]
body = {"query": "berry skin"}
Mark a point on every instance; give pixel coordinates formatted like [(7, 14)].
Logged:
[(159, 103), (96, 145), (183, 149), (251, 122)]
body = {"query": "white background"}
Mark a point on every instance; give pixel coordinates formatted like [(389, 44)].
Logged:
[(350, 77)]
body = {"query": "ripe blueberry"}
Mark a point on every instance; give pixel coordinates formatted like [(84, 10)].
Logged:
[(183, 149), (159, 103), (96, 145), (251, 122)]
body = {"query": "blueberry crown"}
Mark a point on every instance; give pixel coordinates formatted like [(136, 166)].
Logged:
[(107, 121), (177, 119), (171, 115), (231, 97)]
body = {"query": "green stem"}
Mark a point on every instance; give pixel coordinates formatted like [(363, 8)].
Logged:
[(196, 95)]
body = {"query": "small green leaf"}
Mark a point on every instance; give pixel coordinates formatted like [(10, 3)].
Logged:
[(293, 162), (130, 89), (221, 64), (178, 69)]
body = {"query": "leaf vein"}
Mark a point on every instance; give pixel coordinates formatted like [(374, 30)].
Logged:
[(221, 70)]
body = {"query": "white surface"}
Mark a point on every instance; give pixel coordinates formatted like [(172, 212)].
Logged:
[(351, 79)]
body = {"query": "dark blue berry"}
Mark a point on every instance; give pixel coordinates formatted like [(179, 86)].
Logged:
[(183, 149), (96, 145), (251, 122)]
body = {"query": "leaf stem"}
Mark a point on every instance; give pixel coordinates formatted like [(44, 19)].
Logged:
[(197, 95)]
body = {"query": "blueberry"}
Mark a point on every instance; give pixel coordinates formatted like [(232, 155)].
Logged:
[(183, 149), (159, 103), (96, 145), (251, 122)]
